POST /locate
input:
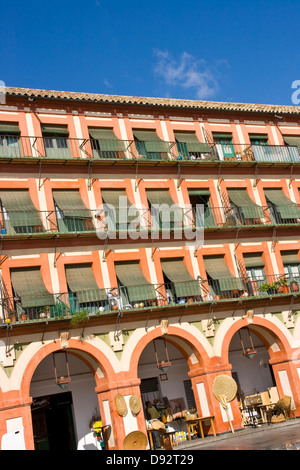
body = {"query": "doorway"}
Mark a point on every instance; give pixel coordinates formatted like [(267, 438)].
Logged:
[(52, 422)]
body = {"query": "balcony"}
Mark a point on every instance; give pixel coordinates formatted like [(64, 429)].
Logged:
[(64, 148), (38, 223), (137, 298)]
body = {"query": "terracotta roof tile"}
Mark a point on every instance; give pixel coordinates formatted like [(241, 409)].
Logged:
[(150, 101)]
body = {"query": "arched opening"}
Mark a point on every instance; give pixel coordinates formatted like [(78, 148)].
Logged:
[(258, 354), (169, 389), (250, 358), (61, 413)]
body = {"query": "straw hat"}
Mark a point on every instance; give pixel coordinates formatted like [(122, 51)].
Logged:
[(225, 385), (135, 404), (120, 404), (136, 440)]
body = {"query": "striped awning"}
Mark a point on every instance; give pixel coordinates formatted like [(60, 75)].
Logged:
[(192, 142), (81, 280), (20, 208), (253, 260), (29, 286), (60, 131), (131, 276), (184, 283), (218, 270), (287, 208), (241, 199), (108, 140), (152, 142), (290, 257), (71, 204)]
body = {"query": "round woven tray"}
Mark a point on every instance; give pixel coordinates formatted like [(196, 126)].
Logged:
[(135, 404), (225, 385), (136, 440), (120, 404)]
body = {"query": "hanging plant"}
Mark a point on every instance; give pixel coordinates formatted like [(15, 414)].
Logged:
[(79, 318)]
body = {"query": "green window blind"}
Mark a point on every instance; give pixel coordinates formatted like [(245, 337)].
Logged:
[(108, 140), (131, 276), (71, 204), (159, 196), (249, 208), (112, 197), (253, 260), (192, 142), (290, 257), (152, 142), (9, 128), (287, 208), (29, 286), (81, 280), (198, 192), (218, 270), (292, 141), (59, 131), (20, 208), (184, 283)]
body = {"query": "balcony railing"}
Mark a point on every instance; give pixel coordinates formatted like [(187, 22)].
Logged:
[(15, 146), (121, 298), (19, 223)]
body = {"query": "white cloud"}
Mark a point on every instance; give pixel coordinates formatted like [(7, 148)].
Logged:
[(188, 73)]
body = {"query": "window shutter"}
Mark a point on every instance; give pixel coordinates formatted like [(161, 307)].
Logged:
[(29, 286), (241, 199), (184, 283), (131, 276), (108, 140), (218, 270), (81, 280)]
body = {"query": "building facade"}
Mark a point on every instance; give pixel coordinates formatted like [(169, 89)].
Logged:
[(104, 297)]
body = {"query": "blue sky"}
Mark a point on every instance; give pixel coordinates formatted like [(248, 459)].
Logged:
[(225, 50)]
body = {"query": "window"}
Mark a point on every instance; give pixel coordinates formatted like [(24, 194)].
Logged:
[(56, 141), (190, 147), (282, 210), (150, 146), (105, 144), (258, 139), (220, 280), (10, 145), (224, 146), (71, 213), (133, 285), (201, 197), (180, 285), (83, 288), (18, 213), (245, 210)]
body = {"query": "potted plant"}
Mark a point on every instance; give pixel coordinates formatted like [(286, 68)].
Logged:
[(266, 287), (79, 318), (282, 286), (294, 285)]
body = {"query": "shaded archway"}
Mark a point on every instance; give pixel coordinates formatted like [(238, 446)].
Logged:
[(95, 363), (277, 340)]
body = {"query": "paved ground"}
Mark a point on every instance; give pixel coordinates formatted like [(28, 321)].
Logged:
[(281, 436)]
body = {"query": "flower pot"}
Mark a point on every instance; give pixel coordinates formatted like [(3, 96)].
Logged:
[(24, 317), (294, 287)]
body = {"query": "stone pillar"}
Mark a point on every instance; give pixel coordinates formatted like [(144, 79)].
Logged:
[(208, 405), (120, 426), (15, 413)]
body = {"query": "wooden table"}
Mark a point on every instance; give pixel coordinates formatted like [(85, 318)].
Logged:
[(263, 410), (190, 423), (170, 434)]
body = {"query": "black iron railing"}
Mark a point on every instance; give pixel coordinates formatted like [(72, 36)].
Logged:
[(87, 303)]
